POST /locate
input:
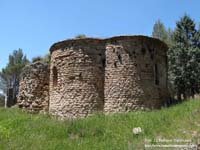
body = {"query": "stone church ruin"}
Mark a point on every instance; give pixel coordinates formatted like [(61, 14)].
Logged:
[(87, 75)]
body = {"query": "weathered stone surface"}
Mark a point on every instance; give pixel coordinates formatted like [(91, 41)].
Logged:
[(135, 74), (79, 70), (34, 87), (118, 74)]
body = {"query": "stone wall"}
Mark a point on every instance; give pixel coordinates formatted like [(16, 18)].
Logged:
[(77, 78), (135, 74), (34, 87), (117, 74)]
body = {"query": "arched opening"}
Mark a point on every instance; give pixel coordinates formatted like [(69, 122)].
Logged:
[(55, 76)]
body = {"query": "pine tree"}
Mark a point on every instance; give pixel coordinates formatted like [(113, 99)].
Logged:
[(159, 31), (10, 75), (184, 58)]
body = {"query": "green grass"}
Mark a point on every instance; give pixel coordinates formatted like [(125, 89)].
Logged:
[(24, 131)]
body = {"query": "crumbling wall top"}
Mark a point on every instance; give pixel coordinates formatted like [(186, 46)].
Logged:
[(61, 44), (36, 66)]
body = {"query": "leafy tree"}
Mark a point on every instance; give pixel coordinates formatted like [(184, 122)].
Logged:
[(159, 31), (9, 76), (47, 58), (169, 40), (2, 82), (2, 100), (184, 58)]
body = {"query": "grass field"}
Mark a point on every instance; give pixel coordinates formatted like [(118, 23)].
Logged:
[(23, 131)]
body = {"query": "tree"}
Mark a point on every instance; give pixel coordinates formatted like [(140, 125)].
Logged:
[(37, 58), (2, 100), (46, 58), (159, 31), (169, 40), (2, 82), (10, 75), (184, 58)]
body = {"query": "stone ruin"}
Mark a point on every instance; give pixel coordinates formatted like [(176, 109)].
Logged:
[(34, 87), (118, 74)]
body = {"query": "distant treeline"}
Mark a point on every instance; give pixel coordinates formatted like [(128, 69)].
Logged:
[(183, 56)]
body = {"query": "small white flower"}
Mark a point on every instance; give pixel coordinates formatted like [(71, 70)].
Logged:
[(137, 130)]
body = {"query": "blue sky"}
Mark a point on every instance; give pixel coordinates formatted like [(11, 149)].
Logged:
[(34, 25)]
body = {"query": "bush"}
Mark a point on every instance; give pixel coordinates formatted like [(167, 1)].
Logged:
[(80, 36), (37, 58)]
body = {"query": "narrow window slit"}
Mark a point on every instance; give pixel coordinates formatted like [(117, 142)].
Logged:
[(115, 64), (104, 62), (156, 74), (55, 76)]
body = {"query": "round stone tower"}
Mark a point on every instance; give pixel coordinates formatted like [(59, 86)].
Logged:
[(135, 73), (77, 77)]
